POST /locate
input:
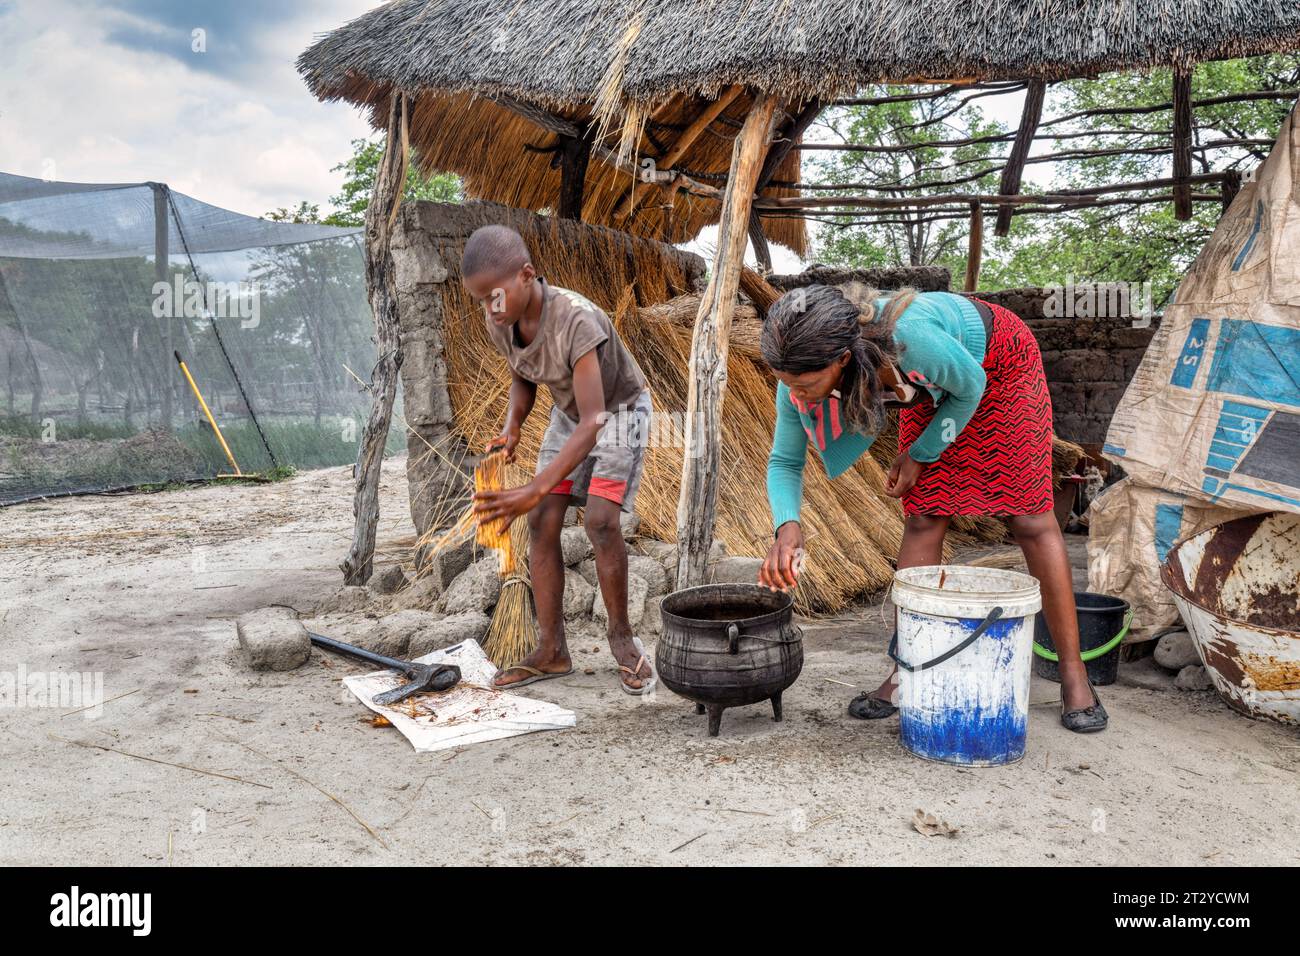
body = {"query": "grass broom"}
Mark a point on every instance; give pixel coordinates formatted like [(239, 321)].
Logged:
[(512, 635)]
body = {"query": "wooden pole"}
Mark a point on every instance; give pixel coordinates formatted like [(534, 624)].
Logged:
[(975, 250), (161, 236), (1182, 145), (1020, 151), (390, 178), (575, 153), (698, 502)]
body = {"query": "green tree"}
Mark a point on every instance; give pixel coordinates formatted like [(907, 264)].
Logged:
[(1121, 243), (901, 130), (359, 181)]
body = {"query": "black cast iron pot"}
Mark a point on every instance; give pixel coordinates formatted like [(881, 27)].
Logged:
[(725, 645)]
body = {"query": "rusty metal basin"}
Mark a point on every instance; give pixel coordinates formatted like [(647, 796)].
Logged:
[(1237, 586)]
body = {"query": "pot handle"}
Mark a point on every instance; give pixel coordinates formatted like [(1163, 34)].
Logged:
[(733, 638)]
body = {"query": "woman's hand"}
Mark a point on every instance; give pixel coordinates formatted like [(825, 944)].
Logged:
[(903, 475), (780, 571)]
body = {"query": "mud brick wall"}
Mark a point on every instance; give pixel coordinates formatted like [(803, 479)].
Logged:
[(1088, 361)]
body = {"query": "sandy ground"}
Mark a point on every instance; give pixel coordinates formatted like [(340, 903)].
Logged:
[(144, 589)]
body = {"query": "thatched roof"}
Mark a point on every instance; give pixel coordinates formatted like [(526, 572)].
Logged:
[(650, 58), (454, 55)]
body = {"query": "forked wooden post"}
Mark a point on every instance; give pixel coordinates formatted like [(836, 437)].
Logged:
[(390, 178), (698, 503)]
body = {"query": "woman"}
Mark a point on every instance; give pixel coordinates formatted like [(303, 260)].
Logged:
[(974, 437)]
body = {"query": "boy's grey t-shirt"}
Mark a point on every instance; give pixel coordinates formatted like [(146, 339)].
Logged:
[(571, 326)]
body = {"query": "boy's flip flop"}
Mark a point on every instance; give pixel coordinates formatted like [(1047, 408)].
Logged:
[(648, 683), (535, 676)]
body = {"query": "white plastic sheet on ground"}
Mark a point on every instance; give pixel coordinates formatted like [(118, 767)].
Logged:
[(469, 713)]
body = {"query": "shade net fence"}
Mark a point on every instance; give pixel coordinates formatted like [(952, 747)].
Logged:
[(103, 287)]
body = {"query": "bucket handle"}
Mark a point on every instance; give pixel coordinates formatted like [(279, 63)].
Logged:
[(1096, 652), (975, 635), (733, 638)]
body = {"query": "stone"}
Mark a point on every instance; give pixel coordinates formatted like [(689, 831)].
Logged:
[(659, 550), (475, 589), (392, 635), (630, 523), (448, 564), (588, 571), (652, 621), (346, 600), (1176, 650), (273, 639), (422, 595), (650, 569), (735, 570), (444, 632), (575, 546), (571, 516), (1193, 677), (579, 595), (389, 581), (637, 589)]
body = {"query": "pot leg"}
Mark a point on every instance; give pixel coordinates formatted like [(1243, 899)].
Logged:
[(715, 720), (776, 707), (699, 708)]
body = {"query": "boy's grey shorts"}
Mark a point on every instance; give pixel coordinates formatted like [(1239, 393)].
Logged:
[(613, 469)]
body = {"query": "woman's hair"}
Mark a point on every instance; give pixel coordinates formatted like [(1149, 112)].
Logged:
[(809, 328)]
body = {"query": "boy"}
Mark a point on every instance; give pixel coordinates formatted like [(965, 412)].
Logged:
[(592, 452)]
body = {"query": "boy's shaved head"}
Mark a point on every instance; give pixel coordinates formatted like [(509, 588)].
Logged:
[(493, 249)]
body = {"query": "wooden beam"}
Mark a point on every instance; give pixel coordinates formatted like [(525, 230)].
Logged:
[(1010, 185), (575, 153), (1182, 144), (762, 252), (562, 127), (385, 200), (975, 247), (683, 143), (698, 502), (1231, 186)]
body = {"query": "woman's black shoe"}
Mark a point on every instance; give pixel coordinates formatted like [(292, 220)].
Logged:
[(865, 707), (1089, 720)]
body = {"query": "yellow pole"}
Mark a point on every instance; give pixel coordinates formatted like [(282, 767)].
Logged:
[(211, 421)]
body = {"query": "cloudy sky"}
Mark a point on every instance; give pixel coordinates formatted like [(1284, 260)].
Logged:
[(115, 91), (199, 94)]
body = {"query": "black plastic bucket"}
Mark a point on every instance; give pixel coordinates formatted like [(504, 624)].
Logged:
[(1103, 622)]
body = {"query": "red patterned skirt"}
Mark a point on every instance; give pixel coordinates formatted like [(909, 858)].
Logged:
[(1001, 462)]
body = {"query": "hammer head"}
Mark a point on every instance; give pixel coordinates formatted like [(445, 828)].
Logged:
[(421, 679)]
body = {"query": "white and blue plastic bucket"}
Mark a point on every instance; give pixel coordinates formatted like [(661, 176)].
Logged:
[(964, 650)]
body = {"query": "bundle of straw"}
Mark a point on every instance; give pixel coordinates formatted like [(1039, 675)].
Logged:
[(512, 635)]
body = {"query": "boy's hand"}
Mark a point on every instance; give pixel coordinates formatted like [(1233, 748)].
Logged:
[(505, 505), (780, 571), (507, 441)]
